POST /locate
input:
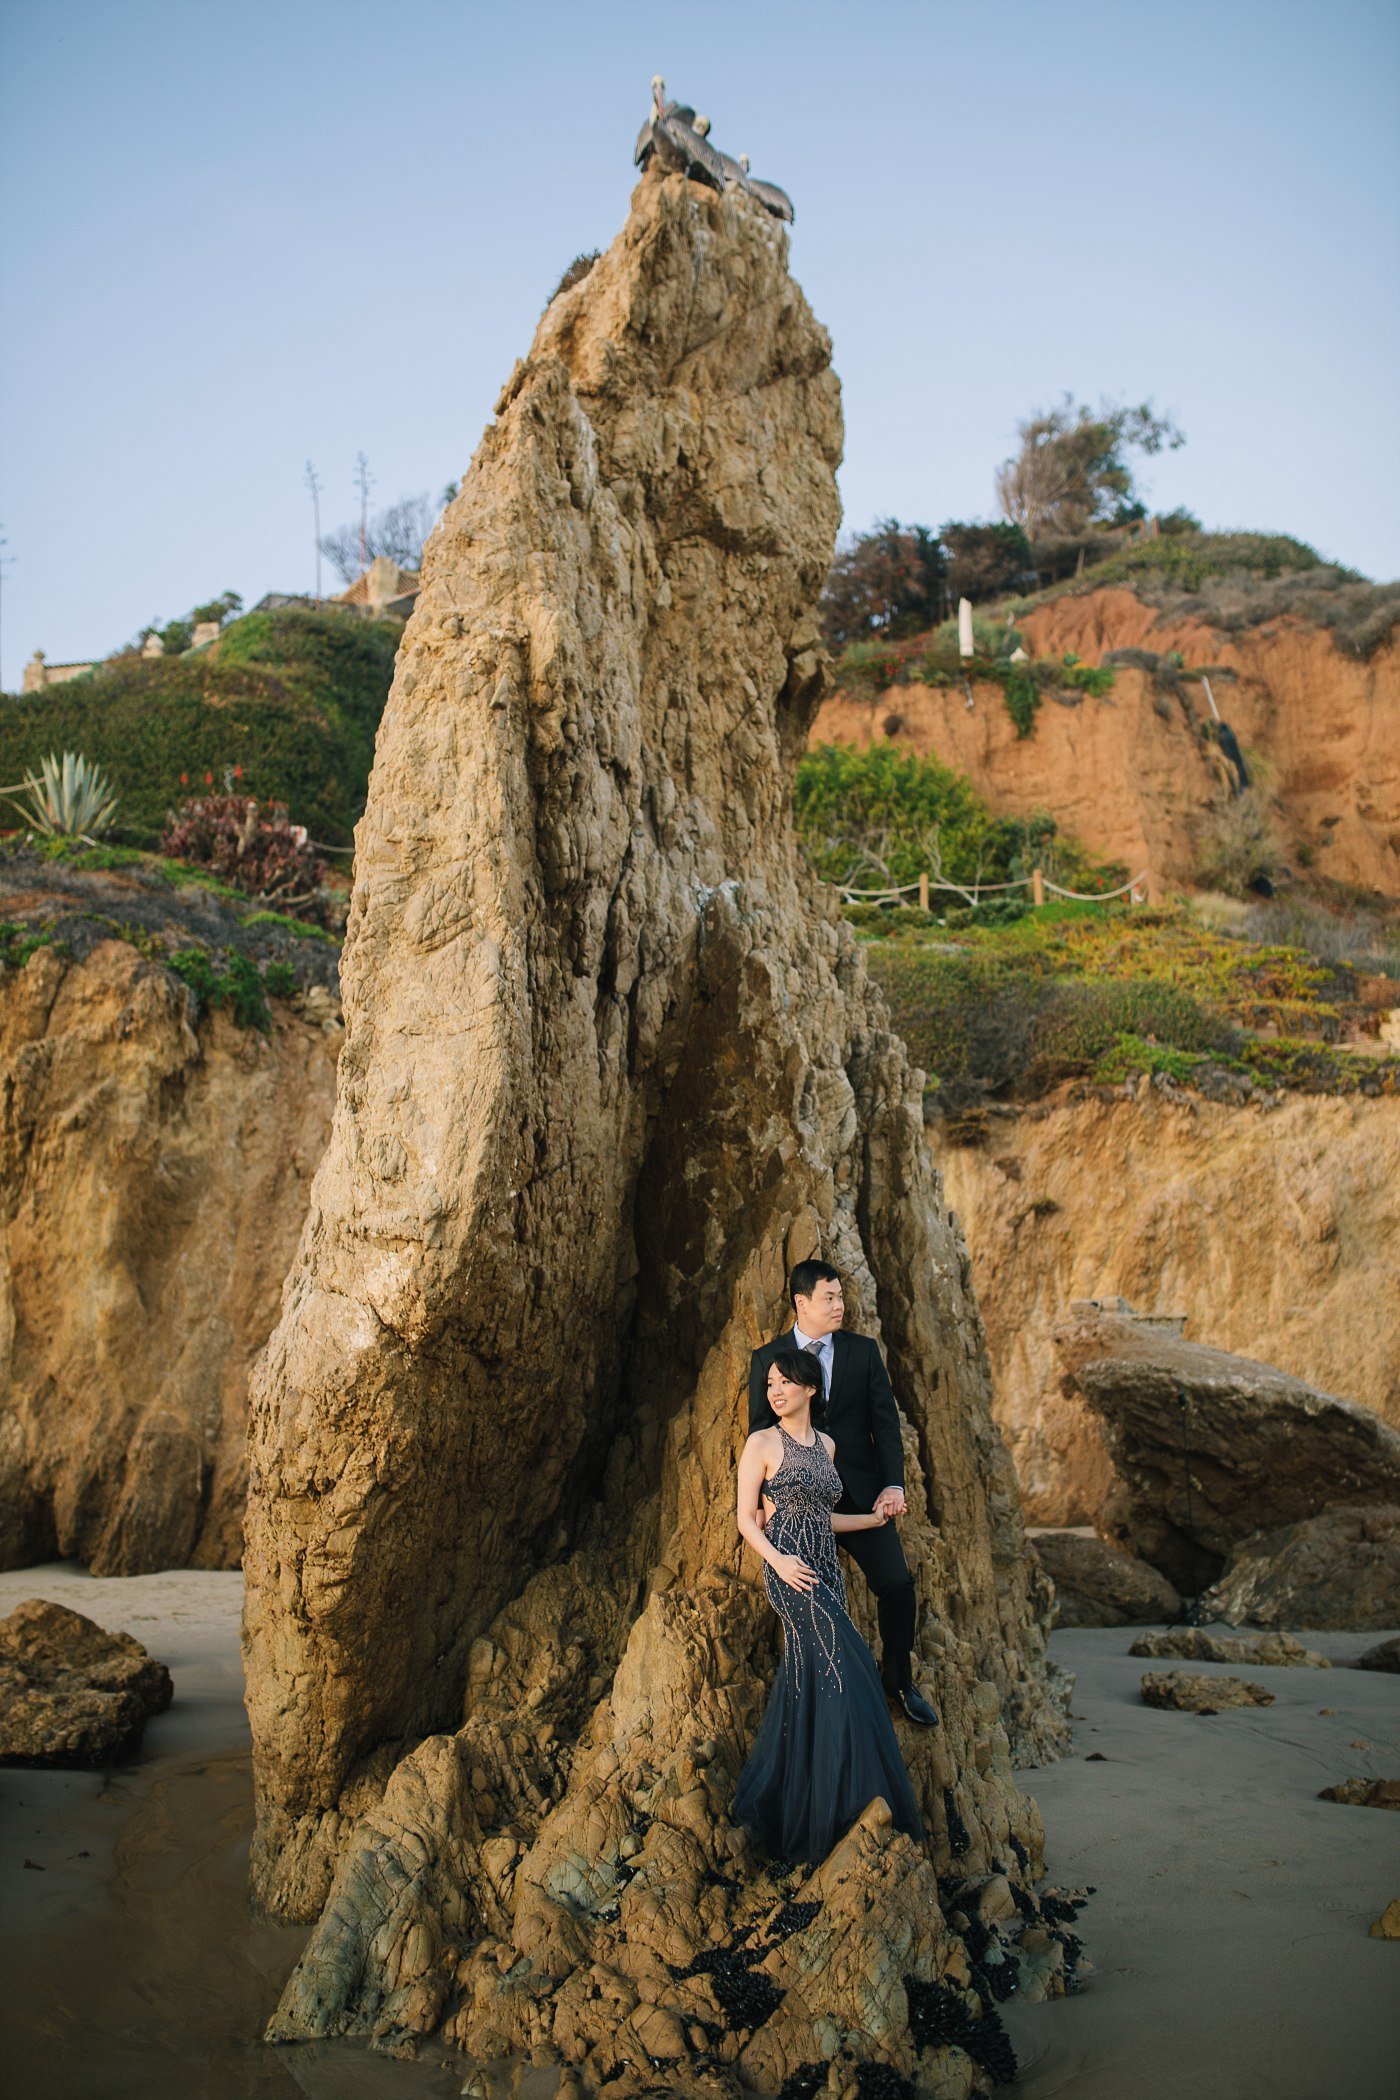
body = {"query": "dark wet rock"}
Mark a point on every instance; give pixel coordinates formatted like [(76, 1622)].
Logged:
[(1098, 1584), (71, 1693), (1261, 1449), (1336, 1571), (1256, 1650), (1384, 1656), (1184, 1693)]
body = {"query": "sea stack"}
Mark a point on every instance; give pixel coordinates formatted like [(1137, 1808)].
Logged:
[(612, 1063)]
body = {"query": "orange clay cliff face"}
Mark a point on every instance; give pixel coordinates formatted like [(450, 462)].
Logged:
[(1132, 776)]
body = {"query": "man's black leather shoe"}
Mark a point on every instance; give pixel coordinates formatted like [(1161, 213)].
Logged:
[(917, 1707)]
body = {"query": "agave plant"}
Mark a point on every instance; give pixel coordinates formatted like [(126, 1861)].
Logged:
[(68, 797)]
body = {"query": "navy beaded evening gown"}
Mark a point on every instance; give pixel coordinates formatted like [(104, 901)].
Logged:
[(826, 1746)]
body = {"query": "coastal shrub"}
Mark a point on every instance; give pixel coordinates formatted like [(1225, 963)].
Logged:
[(236, 983), (293, 697), (1099, 991), (1240, 849), (254, 846), (985, 561), (884, 816), (18, 943), (1080, 1021)]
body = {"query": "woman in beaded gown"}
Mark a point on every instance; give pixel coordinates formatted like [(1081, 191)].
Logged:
[(826, 1746)]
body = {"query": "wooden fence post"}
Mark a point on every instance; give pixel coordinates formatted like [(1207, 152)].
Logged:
[(923, 893), (1037, 887)]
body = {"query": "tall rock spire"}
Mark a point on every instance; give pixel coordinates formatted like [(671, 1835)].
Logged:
[(611, 1065)]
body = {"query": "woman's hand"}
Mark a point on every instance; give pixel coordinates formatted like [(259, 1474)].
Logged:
[(794, 1572)]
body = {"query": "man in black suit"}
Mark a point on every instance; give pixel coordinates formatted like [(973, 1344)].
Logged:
[(862, 1417)]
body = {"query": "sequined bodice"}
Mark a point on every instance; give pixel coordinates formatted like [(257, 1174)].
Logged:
[(804, 1491), (806, 1480)]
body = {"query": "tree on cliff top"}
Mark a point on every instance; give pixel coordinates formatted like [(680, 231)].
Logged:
[(888, 582), (1072, 471)]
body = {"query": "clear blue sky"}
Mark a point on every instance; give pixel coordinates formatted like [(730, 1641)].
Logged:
[(237, 234)]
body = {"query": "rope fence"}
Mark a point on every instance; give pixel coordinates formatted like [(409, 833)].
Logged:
[(1037, 882)]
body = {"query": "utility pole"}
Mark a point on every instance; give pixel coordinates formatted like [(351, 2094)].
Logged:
[(313, 484), (364, 482), (6, 562)]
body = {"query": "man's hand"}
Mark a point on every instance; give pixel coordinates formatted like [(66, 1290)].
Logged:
[(890, 1502)]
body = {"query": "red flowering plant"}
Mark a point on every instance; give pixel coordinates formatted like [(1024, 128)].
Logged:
[(252, 845)]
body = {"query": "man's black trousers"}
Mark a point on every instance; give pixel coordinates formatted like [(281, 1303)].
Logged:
[(880, 1557)]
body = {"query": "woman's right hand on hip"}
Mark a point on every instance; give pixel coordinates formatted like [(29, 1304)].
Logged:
[(795, 1572)]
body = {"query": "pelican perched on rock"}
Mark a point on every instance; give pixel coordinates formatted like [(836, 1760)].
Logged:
[(734, 174), (670, 134), (768, 194)]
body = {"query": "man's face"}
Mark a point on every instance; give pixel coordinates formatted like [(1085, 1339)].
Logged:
[(823, 1312)]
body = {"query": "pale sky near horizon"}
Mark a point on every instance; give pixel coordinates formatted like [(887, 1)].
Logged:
[(237, 234)]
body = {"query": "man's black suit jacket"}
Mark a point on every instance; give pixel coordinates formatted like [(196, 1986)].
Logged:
[(861, 1414)]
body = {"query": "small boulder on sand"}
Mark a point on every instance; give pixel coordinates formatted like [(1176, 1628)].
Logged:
[(1188, 1694), (1256, 1650), (1097, 1584), (1387, 1925), (1384, 1656), (70, 1692), (1364, 1793)]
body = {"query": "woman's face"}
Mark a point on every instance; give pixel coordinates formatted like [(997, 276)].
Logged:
[(785, 1395)]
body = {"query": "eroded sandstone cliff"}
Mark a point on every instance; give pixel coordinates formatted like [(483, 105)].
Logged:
[(155, 1176), (1129, 773), (611, 1065), (1273, 1228)]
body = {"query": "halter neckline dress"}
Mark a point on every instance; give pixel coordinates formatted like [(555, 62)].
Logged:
[(826, 1746)]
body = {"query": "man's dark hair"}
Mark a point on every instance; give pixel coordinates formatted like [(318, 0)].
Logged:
[(807, 1275), (800, 1367)]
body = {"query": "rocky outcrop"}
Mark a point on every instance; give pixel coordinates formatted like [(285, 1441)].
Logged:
[(1384, 1656), (1273, 1229), (611, 1064), (1364, 1793), (1259, 1650), (155, 1181), (1097, 1584), (1179, 1692), (70, 1692), (1131, 775), (1340, 1570), (1209, 1449)]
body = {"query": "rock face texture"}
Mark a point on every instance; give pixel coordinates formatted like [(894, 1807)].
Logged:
[(1338, 1570), (71, 1693), (155, 1180), (1273, 1230), (1259, 1449), (610, 1067), (1097, 1584), (1130, 775)]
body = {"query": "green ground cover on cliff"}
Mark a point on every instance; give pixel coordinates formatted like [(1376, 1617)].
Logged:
[(293, 698), (1103, 993), (63, 895)]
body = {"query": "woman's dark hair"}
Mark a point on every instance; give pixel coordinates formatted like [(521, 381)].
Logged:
[(800, 1367)]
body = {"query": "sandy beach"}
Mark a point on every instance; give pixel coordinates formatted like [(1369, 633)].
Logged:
[(1228, 1932)]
